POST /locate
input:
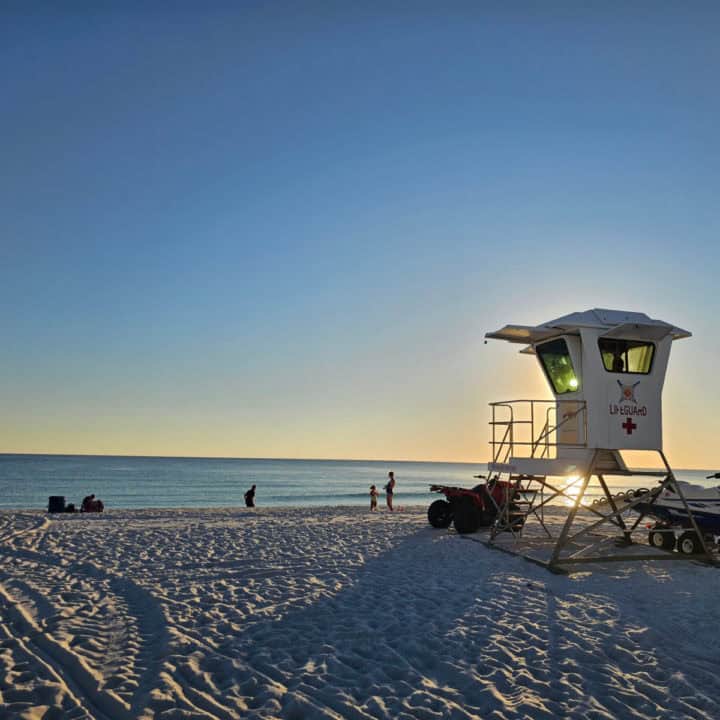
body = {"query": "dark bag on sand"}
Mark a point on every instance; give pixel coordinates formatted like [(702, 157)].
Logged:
[(56, 503)]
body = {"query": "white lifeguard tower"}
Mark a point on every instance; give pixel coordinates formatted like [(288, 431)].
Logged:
[(606, 370)]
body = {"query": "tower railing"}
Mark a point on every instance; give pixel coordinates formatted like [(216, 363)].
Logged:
[(536, 428)]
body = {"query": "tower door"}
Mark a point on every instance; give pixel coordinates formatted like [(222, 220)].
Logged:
[(570, 423)]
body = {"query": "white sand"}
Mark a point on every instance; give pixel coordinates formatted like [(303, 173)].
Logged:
[(336, 613)]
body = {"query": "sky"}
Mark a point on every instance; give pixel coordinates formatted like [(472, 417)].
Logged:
[(282, 229)]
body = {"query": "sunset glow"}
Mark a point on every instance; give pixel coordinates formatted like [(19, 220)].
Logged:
[(571, 487), (265, 231)]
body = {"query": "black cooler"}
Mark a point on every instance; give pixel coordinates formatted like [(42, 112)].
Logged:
[(56, 503)]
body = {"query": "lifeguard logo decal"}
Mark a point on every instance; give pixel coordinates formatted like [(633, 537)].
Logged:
[(627, 406), (627, 392)]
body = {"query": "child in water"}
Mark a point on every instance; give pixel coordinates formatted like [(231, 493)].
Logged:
[(373, 497)]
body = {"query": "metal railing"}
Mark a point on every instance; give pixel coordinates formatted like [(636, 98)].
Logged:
[(536, 428)]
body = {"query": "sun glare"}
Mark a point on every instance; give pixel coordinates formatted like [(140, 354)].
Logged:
[(571, 490)]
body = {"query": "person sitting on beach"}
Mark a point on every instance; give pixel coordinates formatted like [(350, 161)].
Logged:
[(389, 490), (373, 497), (250, 497), (90, 504)]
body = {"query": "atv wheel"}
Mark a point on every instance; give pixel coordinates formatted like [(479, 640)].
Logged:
[(439, 514), (661, 540), (467, 517), (689, 543)]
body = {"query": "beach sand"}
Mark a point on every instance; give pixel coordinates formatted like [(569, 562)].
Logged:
[(336, 613)]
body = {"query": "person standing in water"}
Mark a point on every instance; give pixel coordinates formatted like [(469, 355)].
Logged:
[(390, 490), (250, 497)]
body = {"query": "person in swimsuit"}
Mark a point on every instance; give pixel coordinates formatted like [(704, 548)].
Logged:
[(389, 490), (250, 497), (373, 497)]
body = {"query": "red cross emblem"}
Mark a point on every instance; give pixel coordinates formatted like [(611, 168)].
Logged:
[(629, 426)]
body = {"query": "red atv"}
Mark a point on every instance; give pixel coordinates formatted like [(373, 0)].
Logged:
[(470, 510)]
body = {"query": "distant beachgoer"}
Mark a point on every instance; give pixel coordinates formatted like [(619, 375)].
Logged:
[(90, 504), (389, 490), (250, 497), (373, 497)]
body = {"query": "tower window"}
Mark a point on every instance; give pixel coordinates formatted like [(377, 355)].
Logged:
[(555, 359), (626, 356)]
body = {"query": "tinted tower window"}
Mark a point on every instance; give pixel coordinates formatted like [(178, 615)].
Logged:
[(555, 359), (626, 356)]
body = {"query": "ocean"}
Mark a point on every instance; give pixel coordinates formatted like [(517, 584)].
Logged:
[(26, 481)]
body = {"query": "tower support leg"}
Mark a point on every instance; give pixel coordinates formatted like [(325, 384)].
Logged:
[(618, 516), (562, 539)]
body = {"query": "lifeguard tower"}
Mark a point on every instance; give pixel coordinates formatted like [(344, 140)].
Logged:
[(606, 370)]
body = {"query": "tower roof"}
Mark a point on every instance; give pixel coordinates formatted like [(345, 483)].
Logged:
[(616, 323)]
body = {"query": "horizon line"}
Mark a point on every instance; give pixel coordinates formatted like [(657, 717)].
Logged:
[(281, 459), (233, 457)]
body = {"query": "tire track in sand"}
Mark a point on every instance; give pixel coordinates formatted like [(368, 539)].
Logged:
[(9, 531), (109, 670)]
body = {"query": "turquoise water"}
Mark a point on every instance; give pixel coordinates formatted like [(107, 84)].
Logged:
[(26, 481)]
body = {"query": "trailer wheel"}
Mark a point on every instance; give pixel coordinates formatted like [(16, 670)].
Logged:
[(661, 540), (439, 514), (466, 517), (689, 543)]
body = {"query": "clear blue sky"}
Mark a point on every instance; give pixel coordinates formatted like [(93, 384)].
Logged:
[(281, 229)]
